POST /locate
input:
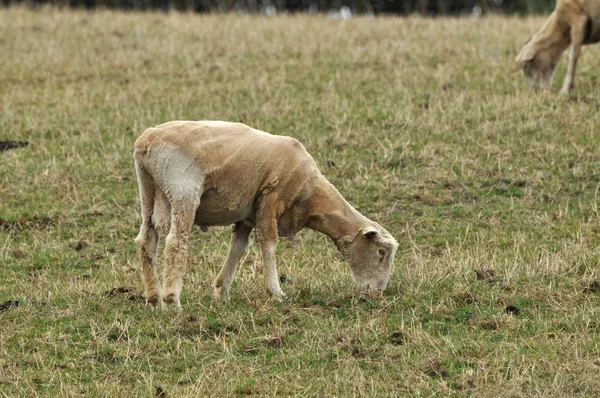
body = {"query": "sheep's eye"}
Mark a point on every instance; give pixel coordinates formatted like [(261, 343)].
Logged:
[(381, 253)]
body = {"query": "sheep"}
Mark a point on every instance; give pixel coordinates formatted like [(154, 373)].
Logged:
[(214, 173), (574, 22)]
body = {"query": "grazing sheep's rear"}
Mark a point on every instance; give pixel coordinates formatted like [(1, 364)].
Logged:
[(220, 173)]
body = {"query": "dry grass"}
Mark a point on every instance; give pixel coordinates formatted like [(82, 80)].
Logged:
[(426, 126)]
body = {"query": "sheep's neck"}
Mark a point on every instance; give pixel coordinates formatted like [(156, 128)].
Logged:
[(332, 215), (553, 35)]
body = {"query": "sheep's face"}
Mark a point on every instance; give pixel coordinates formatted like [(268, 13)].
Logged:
[(537, 61), (370, 255)]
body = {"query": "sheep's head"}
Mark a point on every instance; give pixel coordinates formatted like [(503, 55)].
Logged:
[(538, 62), (370, 255), (540, 55)]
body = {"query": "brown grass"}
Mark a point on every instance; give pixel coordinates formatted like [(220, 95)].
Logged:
[(424, 124)]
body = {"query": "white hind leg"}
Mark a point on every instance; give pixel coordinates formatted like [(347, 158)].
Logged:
[(176, 247), (179, 184), (147, 239), (161, 217)]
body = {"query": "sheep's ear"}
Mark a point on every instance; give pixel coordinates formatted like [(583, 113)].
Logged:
[(527, 54), (370, 232)]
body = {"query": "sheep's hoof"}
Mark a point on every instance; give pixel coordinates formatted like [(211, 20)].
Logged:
[(152, 300), (155, 301), (220, 290), (278, 296), (220, 294), (172, 299), (565, 90)]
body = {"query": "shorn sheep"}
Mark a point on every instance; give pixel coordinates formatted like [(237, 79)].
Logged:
[(219, 173)]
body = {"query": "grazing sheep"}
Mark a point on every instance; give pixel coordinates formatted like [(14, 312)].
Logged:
[(220, 173), (574, 22)]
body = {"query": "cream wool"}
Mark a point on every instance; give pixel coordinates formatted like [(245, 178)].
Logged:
[(219, 173)]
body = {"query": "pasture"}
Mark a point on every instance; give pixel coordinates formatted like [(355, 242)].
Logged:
[(425, 125)]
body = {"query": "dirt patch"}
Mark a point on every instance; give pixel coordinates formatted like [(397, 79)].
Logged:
[(486, 274), (137, 298), (434, 368), (191, 327), (218, 330), (512, 310), (118, 290), (466, 298), (133, 295), (493, 323), (355, 347), (9, 304), (272, 341), (80, 245), (593, 287), (35, 222), (159, 392), (6, 145), (468, 385), (397, 338), (17, 253)]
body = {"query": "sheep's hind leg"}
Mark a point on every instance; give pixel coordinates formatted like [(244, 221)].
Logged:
[(176, 247), (147, 239), (239, 242)]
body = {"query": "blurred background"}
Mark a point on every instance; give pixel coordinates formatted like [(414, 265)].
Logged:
[(337, 8)]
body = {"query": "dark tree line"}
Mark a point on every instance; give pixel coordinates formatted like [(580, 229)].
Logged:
[(401, 7)]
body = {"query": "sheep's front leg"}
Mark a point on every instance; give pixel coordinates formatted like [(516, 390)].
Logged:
[(239, 242), (176, 248), (577, 39), (270, 270), (266, 235)]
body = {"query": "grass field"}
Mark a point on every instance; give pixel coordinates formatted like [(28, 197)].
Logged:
[(425, 125)]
